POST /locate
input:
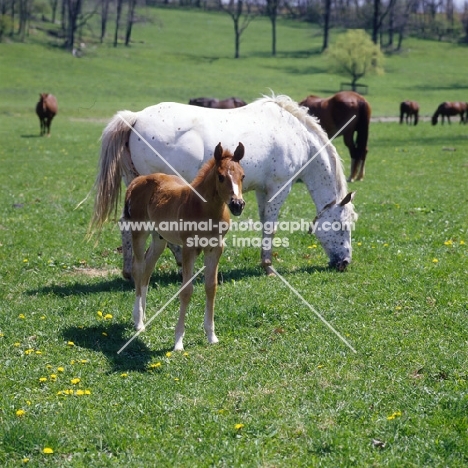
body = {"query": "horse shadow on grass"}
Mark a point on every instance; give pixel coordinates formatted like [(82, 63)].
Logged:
[(108, 340)]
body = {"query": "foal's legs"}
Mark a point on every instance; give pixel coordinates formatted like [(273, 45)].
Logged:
[(143, 266), (211, 282), (188, 260)]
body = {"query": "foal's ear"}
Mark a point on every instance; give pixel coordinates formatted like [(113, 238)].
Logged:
[(348, 198), (218, 152), (239, 153)]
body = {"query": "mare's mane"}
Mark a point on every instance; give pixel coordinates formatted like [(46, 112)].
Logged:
[(313, 125)]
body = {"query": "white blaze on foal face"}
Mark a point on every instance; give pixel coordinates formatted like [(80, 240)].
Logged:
[(235, 187)]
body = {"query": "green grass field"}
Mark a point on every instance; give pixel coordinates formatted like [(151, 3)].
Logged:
[(279, 389)]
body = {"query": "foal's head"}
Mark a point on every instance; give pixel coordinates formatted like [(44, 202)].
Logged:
[(229, 177)]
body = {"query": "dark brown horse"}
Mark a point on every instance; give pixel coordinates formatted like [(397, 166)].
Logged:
[(449, 109), (229, 103), (334, 112), (46, 109), (410, 109)]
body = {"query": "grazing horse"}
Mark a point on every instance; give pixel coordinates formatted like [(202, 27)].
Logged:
[(449, 109), (410, 109), (179, 213), (46, 109), (283, 144), (212, 103), (334, 112)]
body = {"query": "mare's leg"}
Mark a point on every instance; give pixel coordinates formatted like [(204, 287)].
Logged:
[(177, 252), (211, 282), (269, 212), (349, 142), (188, 260), (143, 266)]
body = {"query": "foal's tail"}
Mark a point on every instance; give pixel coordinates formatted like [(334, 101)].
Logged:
[(362, 129), (114, 162)]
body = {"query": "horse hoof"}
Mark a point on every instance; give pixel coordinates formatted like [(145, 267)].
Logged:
[(126, 275), (140, 328)]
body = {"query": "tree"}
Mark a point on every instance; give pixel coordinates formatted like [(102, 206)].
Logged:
[(235, 9), (272, 7), (326, 24), (355, 55)]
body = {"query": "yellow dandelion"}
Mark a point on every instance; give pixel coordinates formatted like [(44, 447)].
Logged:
[(28, 402), (20, 413), (1, 335), (83, 361), (25, 460), (75, 381), (168, 354), (60, 369), (47, 450), (21, 316), (43, 317), (99, 312), (398, 308), (43, 379), (107, 317), (434, 260), (385, 245), (238, 426), (79, 392), (462, 242), (53, 377), (38, 352), (70, 343), (448, 242), (124, 375), (359, 243), (16, 344), (320, 366), (25, 260), (394, 415), (185, 354), (28, 351), (176, 379), (87, 392), (154, 365), (104, 334)]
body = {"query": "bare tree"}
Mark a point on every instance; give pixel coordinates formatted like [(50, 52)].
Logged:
[(241, 18), (117, 21), (326, 24), (272, 7), (104, 16), (130, 19)]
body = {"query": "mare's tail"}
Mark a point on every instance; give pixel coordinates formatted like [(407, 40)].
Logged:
[(362, 129), (112, 165), (402, 111)]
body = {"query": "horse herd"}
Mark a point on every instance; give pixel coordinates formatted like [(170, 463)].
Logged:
[(409, 111), (159, 150)]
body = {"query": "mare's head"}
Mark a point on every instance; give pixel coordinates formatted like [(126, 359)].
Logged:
[(229, 177), (333, 227)]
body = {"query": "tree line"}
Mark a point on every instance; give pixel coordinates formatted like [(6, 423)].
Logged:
[(389, 21)]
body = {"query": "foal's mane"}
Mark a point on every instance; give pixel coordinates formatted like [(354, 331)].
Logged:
[(312, 124), (203, 172)]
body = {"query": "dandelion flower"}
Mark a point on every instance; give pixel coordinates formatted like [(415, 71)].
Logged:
[(107, 317), (70, 343), (448, 242), (75, 381), (99, 313), (79, 392), (154, 365), (434, 260), (53, 377), (25, 460), (238, 426), (21, 316), (168, 354), (124, 375), (60, 369), (28, 351), (20, 413), (104, 334), (47, 450), (396, 414), (462, 242), (43, 379)]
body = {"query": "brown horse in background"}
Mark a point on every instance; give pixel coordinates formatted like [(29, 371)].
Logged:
[(333, 112), (212, 103), (410, 109), (46, 109), (181, 214), (449, 109)]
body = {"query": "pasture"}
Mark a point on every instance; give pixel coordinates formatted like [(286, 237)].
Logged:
[(279, 389)]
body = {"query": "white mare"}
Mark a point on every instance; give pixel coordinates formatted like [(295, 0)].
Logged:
[(282, 144)]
